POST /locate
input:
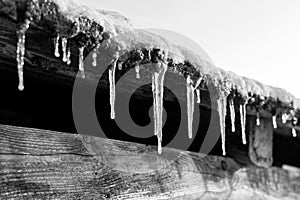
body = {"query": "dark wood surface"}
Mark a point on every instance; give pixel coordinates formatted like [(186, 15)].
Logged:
[(40, 164)]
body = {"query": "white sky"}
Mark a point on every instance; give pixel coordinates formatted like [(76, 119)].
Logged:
[(259, 39)]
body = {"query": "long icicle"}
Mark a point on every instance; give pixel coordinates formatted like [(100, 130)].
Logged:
[(21, 52), (56, 52), (158, 91), (190, 105), (154, 102), (222, 103), (81, 64), (64, 49), (232, 114), (243, 122), (112, 88)]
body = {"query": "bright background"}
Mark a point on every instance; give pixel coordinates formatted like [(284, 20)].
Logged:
[(259, 39)]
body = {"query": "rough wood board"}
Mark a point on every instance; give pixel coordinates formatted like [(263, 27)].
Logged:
[(261, 142), (38, 164)]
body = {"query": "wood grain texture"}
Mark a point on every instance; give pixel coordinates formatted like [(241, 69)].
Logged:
[(39, 164), (261, 142)]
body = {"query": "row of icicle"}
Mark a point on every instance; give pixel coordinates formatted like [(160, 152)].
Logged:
[(157, 89)]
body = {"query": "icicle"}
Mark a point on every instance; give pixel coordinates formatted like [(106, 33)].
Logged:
[(243, 122), (198, 90), (137, 70), (56, 53), (198, 96), (274, 121), (155, 114), (21, 52), (112, 88), (190, 105), (69, 56), (120, 66), (232, 115), (284, 118), (64, 49), (158, 91), (294, 132), (81, 64), (222, 102), (95, 56), (257, 119)]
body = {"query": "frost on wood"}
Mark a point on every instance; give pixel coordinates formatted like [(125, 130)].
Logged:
[(21, 52), (112, 88), (190, 105), (158, 91), (232, 114), (222, 103)]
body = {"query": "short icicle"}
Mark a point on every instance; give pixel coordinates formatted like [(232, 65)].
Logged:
[(294, 133), (222, 103), (243, 122), (190, 105), (112, 88), (232, 114), (69, 56), (64, 43), (198, 96), (21, 52), (198, 90), (94, 56), (56, 52), (158, 91), (274, 121), (257, 118), (137, 70), (81, 64)]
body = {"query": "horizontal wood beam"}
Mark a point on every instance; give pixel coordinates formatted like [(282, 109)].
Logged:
[(45, 164)]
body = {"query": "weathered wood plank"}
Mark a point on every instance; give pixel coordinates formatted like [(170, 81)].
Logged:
[(261, 141), (38, 164)]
